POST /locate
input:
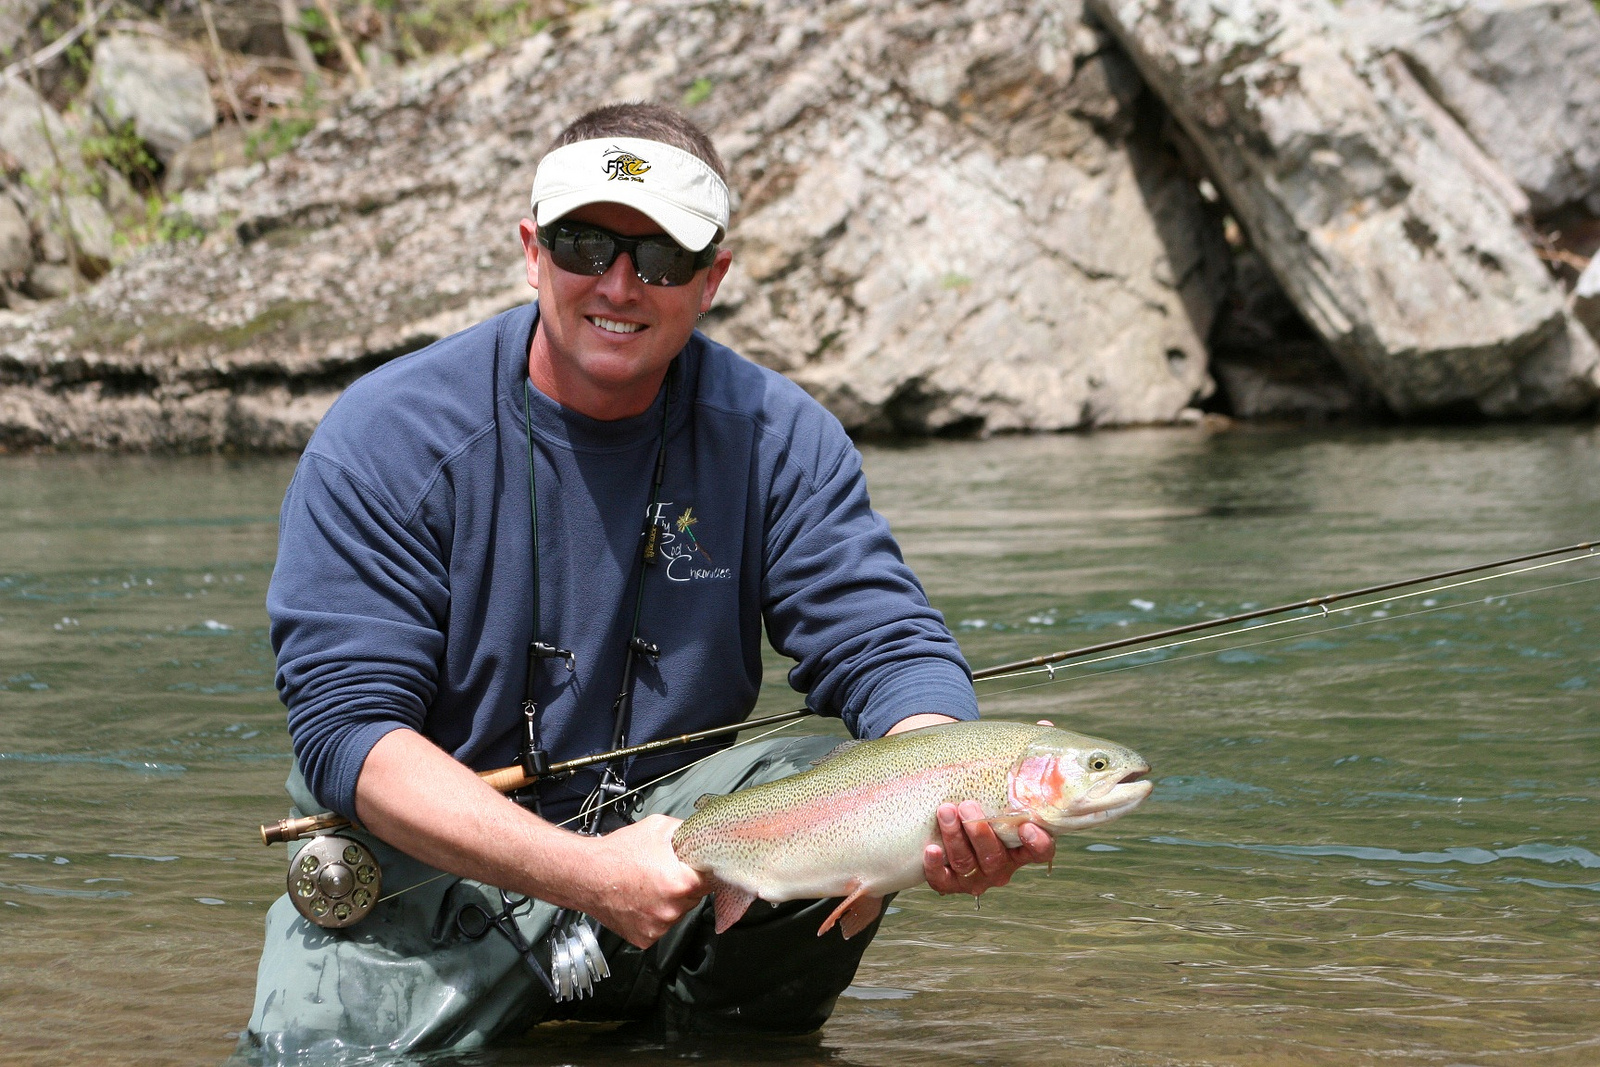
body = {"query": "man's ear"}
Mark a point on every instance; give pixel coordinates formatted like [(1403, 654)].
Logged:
[(718, 271), (529, 232)]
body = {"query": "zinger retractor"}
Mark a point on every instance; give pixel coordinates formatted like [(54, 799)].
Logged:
[(334, 881), (576, 961)]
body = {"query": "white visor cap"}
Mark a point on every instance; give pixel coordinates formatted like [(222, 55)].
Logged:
[(675, 188)]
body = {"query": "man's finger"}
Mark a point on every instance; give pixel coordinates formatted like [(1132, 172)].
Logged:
[(958, 853), (986, 845)]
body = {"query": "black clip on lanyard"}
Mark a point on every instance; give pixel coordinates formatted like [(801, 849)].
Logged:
[(536, 760)]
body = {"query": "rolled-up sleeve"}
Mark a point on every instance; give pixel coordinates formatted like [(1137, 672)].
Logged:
[(839, 598), (358, 602)]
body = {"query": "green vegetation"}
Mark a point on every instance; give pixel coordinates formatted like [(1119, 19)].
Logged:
[(700, 91), (123, 151), (433, 26), (278, 135)]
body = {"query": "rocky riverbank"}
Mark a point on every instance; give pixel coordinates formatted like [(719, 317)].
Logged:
[(953, 218)]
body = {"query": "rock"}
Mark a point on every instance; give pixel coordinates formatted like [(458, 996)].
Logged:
[(47, 149), (1519, 75), (192, 164), (92, 234), (952, 218), (1085, 302), (125, 206), (33, 133), (51, 281), (1586, 298), (1401, 259), (1560, 377), (141, 79), (1296, 380), (16, 241)]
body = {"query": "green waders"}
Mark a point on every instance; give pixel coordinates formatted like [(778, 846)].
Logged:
[(405, 980)]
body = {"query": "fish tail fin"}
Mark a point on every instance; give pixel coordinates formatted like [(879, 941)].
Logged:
[(729, 903), (854, 913)]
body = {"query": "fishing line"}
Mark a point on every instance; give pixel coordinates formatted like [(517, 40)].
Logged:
[(1589, 548), (1060, 671), (584, 812), (1052, 670)]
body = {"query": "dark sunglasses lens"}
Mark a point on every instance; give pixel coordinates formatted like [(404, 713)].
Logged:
[(662, 262), (585, 251)]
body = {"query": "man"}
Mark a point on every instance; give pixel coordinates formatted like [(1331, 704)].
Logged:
[(559, 530)]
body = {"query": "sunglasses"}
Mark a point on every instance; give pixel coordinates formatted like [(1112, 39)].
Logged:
[(579, 248)]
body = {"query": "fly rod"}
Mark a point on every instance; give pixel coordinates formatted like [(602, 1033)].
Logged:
[(510, 779), (1261, 613)]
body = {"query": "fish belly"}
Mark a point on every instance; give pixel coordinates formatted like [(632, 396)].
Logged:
[(834, 861), (824, 842)]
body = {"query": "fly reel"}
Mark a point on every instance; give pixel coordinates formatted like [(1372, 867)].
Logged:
[(335, 881)]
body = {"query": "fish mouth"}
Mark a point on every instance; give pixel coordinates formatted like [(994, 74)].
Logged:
[(1109, 799)]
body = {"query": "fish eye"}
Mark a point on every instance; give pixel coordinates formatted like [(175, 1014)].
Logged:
[(1099, 761)]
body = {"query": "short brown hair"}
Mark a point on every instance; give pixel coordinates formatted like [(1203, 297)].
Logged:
[(654, 122)]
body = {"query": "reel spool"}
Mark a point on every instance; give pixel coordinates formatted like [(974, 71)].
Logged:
[(335, 881)]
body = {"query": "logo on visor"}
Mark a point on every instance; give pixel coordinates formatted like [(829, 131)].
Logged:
[(624, 165)]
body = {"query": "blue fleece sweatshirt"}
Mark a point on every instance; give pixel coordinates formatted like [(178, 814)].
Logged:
[(403, 592)]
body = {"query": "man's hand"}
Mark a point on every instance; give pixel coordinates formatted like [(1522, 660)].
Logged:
[(640, 887), (971, 858)]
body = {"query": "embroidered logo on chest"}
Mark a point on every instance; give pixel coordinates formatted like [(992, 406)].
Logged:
[(680, 545)]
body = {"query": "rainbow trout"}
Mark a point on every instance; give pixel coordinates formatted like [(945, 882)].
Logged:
[(855, 825)]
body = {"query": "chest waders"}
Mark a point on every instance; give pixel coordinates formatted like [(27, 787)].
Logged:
[(576, 961)]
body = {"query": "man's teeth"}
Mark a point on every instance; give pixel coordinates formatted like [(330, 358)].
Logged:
[(616, 327)]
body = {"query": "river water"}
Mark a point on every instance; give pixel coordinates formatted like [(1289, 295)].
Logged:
[(1374, 838)]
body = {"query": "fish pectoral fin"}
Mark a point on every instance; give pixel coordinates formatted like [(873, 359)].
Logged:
[(729, 902), (860, 915), (1008, 826), (854, 913)]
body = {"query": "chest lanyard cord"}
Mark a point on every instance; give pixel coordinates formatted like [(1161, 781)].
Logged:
[(535, 759)]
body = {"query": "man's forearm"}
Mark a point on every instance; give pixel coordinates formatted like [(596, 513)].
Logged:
[(419, 799), (416, 797)]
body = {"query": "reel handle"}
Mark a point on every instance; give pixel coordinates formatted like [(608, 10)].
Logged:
[(274, 833)]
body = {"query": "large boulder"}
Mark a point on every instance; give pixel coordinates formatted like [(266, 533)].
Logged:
[(1401, 257), (977, 229), (1521, 76), (953, 218), (139, 78)]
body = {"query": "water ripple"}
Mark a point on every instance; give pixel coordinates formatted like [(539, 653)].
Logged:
[(1538, 852), (79, 894), (141, 766)]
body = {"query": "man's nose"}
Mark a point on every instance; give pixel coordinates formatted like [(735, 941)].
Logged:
[(620, 282)]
